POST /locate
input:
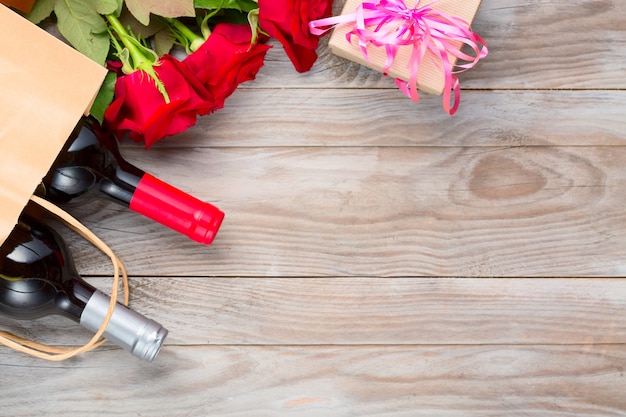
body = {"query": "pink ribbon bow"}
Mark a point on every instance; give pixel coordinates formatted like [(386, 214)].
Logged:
[(391, 24)]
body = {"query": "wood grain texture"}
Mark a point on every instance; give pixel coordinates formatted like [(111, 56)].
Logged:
[(532, 45), (384, 211), (366, 311), (353, 273), (474, 381), (370, 117)]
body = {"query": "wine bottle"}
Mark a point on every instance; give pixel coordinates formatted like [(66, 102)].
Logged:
[(93, 162), (38, 278)]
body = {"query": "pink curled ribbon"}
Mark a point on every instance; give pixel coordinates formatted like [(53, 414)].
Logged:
[(391, 24)]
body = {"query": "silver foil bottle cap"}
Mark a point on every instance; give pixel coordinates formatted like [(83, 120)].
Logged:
[(128, 329)]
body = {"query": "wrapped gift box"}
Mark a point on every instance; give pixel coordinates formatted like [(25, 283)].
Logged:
[(431, 77)]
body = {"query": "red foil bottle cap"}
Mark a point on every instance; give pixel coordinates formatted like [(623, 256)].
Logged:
[(176, 209)]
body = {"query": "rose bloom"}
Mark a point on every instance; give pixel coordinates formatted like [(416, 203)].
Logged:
[(226, 59), (196, 86), (140, 109), (288, 22)]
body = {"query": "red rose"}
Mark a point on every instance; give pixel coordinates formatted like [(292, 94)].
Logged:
[(140, 109), (226, 59), (196, 86), (288, 22)]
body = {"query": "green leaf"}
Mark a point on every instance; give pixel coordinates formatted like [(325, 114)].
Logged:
[(104, 97), (241, 5), (84, 28), (233, 16), (41, 10), (106, 6), (163, 42), (141, 9), (138, 29)]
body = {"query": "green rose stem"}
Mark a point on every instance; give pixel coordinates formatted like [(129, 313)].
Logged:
[(141, 58), (186, 36)]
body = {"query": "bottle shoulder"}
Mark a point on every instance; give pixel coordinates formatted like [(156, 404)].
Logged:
[(90, 165), (37, 277)]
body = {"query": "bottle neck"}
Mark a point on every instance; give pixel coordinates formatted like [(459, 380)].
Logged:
[(88, 165), (93, 162), (37, 278), (121, 187), (126, 328), (120, 181), (32, 298), (71, 301)]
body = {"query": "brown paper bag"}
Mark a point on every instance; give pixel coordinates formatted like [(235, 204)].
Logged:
[(45, 87)]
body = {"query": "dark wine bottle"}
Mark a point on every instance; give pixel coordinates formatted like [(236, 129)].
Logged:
[(91, 162), (38, 278)]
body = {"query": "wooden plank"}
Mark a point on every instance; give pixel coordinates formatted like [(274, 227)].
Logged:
[(473, 381), (536, 45), (532, 45), (331, 289), (369, 117), (366, 311), (375, 211)]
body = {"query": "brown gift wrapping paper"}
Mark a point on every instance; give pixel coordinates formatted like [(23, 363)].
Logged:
[(431, 78)]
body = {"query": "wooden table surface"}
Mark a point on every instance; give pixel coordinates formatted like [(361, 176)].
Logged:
[(379, 257)]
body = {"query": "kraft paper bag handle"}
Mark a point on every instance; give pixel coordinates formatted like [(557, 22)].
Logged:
[(45, 88), (53, 353)]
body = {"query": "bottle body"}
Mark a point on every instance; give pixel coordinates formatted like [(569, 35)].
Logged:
[(38, 278), (91, 164)]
